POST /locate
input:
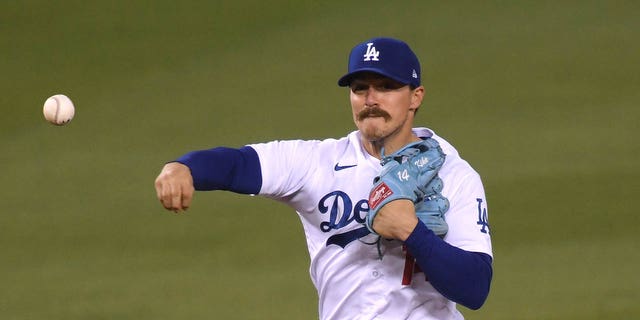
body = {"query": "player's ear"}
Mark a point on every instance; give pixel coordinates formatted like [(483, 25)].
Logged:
[(417, 95)]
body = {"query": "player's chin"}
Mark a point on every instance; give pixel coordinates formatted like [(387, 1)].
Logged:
[(372, 129)]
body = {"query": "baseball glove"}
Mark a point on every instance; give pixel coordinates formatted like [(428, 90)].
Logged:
[(431, 210), (409, 174)]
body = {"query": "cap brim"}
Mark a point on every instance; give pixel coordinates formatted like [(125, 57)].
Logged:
[(345, 81)]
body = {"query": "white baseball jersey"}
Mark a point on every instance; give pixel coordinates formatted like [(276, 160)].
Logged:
[(328, 182)]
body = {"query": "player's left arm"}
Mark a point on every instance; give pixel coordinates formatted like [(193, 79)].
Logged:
[(460, 268), (462, 276)]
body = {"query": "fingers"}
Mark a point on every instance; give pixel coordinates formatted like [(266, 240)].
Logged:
[(174, 187), (176, 198), (179, 199), (186, 196)]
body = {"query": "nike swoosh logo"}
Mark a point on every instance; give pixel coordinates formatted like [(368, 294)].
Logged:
[(338, 167)]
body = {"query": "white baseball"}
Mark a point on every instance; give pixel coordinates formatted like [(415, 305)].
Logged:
[(58, 109)]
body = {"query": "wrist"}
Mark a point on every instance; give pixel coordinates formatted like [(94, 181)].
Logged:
[(405, 230)]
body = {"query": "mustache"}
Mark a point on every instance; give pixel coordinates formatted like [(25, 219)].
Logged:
[(372, 113)]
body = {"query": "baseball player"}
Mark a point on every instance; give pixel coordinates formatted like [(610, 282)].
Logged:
[(395, 220)]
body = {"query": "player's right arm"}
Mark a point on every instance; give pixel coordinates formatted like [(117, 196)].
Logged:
[(236, 170)]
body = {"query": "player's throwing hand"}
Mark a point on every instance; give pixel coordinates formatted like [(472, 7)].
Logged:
[(174, 187)]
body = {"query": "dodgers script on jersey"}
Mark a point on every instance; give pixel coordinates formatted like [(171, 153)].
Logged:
[(328, 183)]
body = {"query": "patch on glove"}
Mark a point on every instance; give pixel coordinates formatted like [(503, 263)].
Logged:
[(379, 194)]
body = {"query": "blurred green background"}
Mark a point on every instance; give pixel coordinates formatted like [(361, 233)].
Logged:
[(541, 97)]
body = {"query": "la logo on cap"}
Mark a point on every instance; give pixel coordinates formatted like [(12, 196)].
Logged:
[(372, 54)]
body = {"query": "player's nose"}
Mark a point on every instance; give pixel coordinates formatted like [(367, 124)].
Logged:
[(370, 97)]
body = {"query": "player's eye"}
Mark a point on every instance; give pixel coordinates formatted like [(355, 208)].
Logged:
[(359, 87), (390, 85)]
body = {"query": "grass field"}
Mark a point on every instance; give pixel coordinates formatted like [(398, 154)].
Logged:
[(540, 96)]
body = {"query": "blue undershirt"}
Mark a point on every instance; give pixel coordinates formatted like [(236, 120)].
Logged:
[(236, 170), (461, 276)]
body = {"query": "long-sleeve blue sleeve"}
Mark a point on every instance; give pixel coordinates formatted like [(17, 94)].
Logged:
[(221, 168), (461, 276)]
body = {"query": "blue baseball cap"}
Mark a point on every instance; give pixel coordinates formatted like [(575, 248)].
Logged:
[(389, 57)]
